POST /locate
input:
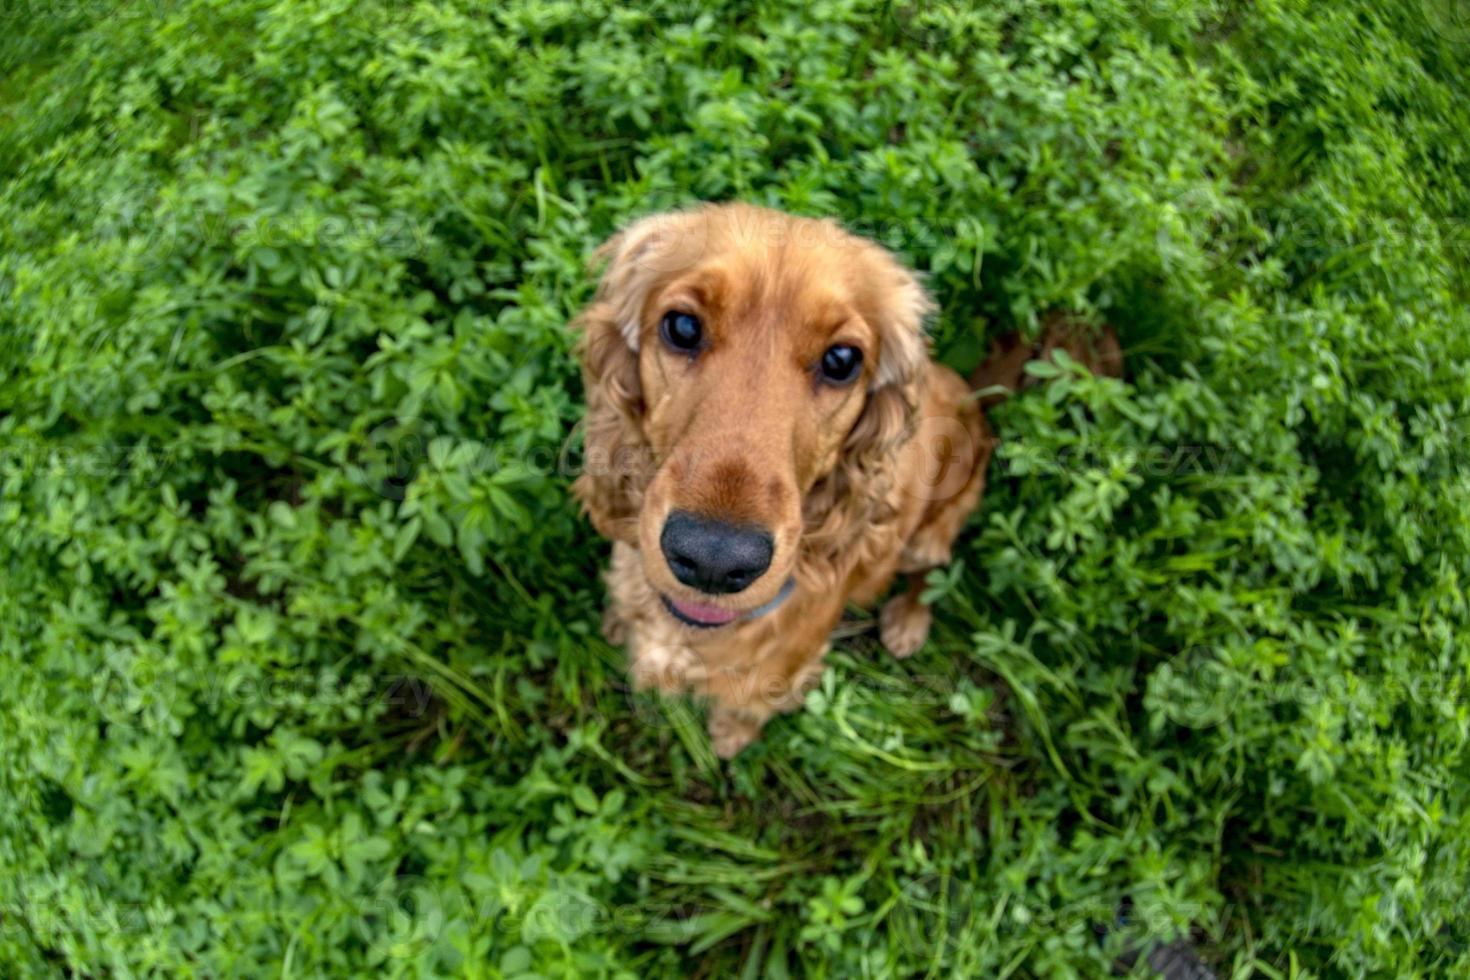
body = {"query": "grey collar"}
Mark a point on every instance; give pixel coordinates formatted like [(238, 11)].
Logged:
[(781, 597)]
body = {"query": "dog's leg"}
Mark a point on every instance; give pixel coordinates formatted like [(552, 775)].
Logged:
[(931, 543), (732, 729), (903, 622), (742, 708), (767, 670)]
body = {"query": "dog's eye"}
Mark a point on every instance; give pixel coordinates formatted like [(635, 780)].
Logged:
[(681, 331), (841, 362)]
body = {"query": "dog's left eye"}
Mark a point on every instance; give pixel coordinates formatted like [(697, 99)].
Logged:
[(840, 363), (681, 331)]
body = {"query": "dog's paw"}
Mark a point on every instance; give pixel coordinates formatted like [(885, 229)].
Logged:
[(903, 625), (730, 732)]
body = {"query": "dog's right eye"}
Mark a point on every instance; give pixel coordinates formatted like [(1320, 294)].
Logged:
[(681, 331)]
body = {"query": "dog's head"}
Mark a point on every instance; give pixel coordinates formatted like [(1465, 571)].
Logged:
[(749, 374)]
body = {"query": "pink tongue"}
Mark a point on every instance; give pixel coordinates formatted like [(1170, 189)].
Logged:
[(713, 615)]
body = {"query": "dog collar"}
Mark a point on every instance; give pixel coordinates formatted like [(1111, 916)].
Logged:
[(780, 597)]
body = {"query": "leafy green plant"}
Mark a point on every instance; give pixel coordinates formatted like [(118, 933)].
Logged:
[(299, 630)]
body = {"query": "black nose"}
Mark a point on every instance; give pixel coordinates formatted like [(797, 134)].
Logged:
[(713, 556)]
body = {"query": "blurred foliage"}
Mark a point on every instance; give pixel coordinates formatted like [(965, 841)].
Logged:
[(299, 662)]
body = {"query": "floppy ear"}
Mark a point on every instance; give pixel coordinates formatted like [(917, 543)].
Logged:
[(895, 307), (857, 492), (901, 307), (617, 460)]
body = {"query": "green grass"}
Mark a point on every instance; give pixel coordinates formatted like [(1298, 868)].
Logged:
[(299, 662)]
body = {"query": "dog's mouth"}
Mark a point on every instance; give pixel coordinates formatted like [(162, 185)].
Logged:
[(703, 615), (699, 614)]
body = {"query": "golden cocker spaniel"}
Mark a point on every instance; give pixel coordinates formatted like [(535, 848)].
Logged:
[(767, 440)]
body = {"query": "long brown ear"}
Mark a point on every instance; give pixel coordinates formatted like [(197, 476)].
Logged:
[(856, 494), (617, 460), (896, 307), (614, 451)]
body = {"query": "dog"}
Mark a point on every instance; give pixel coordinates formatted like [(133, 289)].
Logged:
[(768, 440)]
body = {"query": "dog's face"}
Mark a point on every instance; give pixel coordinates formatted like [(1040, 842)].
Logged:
[(749, 354)]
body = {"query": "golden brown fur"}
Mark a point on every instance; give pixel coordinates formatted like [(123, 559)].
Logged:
[(855, 484)]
